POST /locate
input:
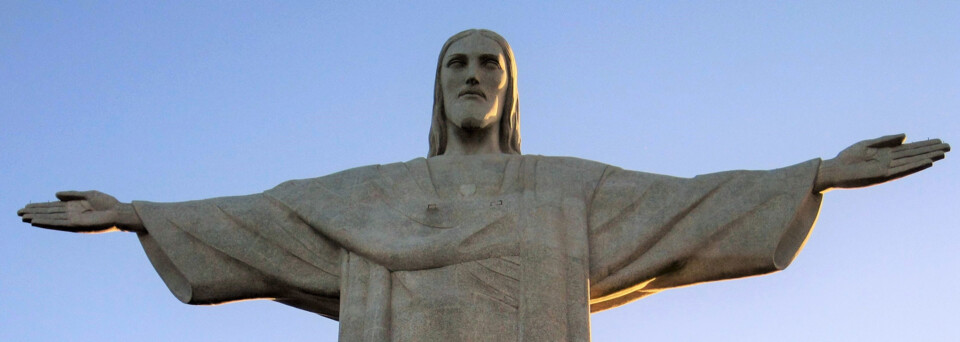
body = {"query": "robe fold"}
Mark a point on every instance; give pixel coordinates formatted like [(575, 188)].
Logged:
[(518, 248)]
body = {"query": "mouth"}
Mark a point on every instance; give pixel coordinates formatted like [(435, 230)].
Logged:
[(472, 92)]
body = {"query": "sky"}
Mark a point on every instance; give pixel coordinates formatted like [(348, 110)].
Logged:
[(174, 101)]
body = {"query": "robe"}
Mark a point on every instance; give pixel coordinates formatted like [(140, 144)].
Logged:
[(479, 248)]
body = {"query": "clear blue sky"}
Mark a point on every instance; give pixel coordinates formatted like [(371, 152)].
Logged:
[(183, 100)]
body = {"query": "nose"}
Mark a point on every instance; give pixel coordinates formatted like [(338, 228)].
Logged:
[(472, 71)]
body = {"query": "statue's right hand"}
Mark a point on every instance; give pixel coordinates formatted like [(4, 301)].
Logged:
[(77, 211)]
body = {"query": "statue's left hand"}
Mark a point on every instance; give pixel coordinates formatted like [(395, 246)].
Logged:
[(879, 160)]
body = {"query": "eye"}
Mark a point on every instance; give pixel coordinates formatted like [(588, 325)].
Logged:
[(491, 63), (455, 62)]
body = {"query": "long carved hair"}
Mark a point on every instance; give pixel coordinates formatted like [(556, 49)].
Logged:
[(509, 119)]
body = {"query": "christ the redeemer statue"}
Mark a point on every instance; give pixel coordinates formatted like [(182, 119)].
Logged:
[(478, 242)]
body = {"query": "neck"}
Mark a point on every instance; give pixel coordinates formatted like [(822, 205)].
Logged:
[(472, 141)]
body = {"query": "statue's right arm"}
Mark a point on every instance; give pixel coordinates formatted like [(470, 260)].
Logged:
[(83, 212)]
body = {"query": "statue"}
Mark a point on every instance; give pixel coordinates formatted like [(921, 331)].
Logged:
[(479, 242)]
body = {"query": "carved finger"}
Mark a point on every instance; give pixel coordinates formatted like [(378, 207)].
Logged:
[(44, 205), (45, 210), (932, 156), (26, 218), (908, 169), (887, 141), (54, 216), (917, 144), (34, 208), (921, 150), (72, 195), (61, 225)]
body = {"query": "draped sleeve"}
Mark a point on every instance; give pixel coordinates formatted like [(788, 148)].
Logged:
[(246, 247), (651, 232)]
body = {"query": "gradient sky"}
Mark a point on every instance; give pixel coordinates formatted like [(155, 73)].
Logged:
[(187, 100)]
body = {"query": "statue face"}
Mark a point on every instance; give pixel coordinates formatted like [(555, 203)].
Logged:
[(473, 78)]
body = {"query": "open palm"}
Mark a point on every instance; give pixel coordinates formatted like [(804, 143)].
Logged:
[(77, 211), (880, 160)]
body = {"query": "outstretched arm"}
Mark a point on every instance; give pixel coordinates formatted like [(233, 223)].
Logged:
[(83, 212), (876, 161)]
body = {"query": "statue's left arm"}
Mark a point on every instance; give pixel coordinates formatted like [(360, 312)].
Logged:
[(652, 232)]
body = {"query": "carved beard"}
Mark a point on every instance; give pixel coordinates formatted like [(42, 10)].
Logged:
[(471, 123)]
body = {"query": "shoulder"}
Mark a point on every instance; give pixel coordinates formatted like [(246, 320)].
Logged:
[(567, 163), (342, 181), (572, 174)]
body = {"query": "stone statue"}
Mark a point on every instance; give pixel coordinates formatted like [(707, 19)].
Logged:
[(478, 242)]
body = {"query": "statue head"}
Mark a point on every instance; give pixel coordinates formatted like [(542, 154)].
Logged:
[(508, 118)]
